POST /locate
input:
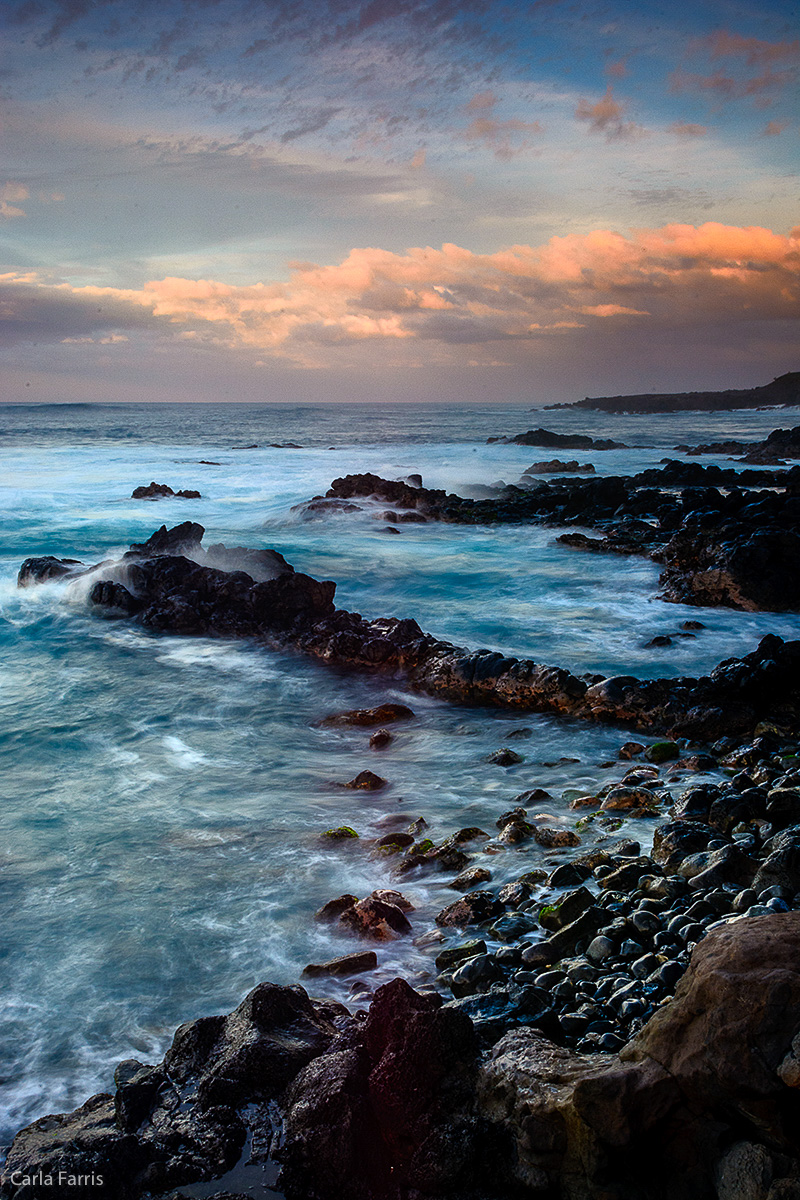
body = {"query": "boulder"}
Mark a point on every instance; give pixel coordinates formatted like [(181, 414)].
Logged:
[(713, 1070), (388, 1112), (376, 919), (471, 909), (346, 964)]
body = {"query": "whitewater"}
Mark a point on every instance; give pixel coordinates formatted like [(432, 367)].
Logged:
[(163, 797)]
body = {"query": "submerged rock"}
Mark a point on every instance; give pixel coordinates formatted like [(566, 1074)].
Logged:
[(382, 715)]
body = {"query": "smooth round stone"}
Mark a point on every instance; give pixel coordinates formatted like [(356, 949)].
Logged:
[(601, 1025), (513, 925), (694, 931), (699, 911), (645, 966), (646, 922), (758, 910), (581, 971), (508, 955), (744, 900), (522, 977), (563, 990), (610, 1042), (599, 949), (632, 1008), (475, 969), (677, 923), (628, 992), (573, 1024), (630, 949), (776, 892), (777, 905), (608, 986), (549, 979), (664, 939), (670, 973)]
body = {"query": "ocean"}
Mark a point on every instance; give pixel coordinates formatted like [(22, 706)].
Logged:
[(163, 797)]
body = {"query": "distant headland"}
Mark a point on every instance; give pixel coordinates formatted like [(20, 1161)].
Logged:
[(782, 392)]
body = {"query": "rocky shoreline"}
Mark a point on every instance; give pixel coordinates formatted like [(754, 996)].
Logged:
[(622, 1025), (593, 1044)]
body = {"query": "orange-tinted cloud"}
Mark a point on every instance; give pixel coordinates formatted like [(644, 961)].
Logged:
[(724, 44), (727, 87), (618, 69), (497, 135), (774, 128), (607, 116), (677, 275)]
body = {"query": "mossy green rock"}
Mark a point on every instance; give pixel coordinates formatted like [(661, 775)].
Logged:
[(662, 752), (341, 834)]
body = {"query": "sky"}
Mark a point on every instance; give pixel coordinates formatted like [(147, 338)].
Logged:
[(450, 200)]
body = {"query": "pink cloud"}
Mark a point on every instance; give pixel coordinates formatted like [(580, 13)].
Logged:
[(671, 277), (618, 69), (497, 135)]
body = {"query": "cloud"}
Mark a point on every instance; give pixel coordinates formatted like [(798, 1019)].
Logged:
[(736, 82), (687, 130), (10, 194), (496, 135), (310, 125), (606, 116), (618, 69), (728, 87), (676, 276), (774, 128), (32, 311), (723, 44)]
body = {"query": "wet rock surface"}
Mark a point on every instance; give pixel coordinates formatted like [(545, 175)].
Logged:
[(160, 587), (158, 491), (733, 547), (182, 1120)]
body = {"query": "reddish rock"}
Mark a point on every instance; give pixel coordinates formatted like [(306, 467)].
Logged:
[(384, 714), (375, 919), (471, 909)]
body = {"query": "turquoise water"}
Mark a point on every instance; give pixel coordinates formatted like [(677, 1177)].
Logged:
[(162, 798)]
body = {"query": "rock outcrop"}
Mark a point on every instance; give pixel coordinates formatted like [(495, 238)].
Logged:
[(166, 584), (185, 1119), (731, 548)]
